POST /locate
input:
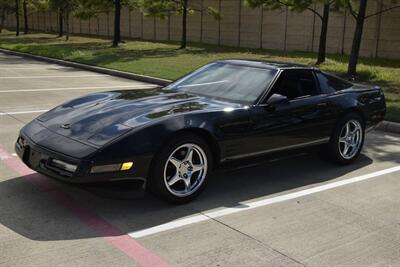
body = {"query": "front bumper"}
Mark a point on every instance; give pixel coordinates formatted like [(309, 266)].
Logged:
[(40, 158)]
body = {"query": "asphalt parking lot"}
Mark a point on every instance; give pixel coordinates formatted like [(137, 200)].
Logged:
[(289, 211)]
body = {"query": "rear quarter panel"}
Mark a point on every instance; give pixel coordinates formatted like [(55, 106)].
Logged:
[(368, 102)]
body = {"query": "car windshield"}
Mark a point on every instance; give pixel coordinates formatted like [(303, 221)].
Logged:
[(226, 81)]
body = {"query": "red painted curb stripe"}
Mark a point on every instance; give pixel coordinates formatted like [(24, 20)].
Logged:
[(121, 241)]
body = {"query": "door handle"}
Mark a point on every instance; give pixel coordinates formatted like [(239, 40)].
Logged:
[(269, 108), (322, 105)]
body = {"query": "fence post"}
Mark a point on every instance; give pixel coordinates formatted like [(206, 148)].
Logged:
[(108, 23), (313, 30), (286, 24), (261, 27), (219, 22), (201, 20), (141, 25), (154, 29), (44, 22), (51, 21), (32, 23), (239, 21), (169, 26), (130, 23)]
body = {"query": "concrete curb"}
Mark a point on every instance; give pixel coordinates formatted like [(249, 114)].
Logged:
[(388, 126), (385, 126), (118, 73)]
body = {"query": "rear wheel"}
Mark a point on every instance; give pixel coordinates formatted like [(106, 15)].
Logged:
[(180, 170), (347, 139)]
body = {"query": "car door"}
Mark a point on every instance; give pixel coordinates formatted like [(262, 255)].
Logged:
[(298, 119)]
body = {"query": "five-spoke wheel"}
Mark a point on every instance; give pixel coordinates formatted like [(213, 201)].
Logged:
[(350, 139), (179, 171), (185, 169), (347, 139)]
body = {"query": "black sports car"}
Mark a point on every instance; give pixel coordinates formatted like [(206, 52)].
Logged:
[(172, 137)]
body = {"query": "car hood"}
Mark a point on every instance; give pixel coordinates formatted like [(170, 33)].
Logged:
[(99, 118)]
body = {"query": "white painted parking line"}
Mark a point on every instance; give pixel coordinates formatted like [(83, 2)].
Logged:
[(9, 56), (23, 112), (256, 204), (45, 67), (56, 76), (144, 86)]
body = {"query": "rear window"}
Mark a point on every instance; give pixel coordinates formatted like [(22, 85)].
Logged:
[(330, 83)]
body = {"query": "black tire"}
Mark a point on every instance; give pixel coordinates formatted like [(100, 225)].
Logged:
[(157, 184), (334, 148)]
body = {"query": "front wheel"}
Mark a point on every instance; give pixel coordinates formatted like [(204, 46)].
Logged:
[(347, 139), (180, 170)]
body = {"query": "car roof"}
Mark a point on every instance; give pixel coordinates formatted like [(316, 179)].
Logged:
[(267, 64)]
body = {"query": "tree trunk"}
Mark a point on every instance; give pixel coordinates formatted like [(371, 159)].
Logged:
[(323, 35), (17, 17), (355, 48), (184, 24), (25, 8), (117, 23), (3, 18), (67, 25), (60, 22)]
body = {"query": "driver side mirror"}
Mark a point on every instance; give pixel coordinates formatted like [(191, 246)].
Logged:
[(277, 99)]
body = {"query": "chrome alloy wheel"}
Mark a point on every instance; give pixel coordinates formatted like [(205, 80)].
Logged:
[(185, 170), (350, 139)]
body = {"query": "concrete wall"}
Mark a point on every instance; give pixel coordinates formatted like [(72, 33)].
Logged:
[(242, 26)]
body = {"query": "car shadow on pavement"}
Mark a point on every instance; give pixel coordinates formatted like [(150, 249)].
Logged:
[(29, 212)]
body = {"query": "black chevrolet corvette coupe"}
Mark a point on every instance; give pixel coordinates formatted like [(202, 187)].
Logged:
[(171, 138)]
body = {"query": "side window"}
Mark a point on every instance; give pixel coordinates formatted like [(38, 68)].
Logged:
[(330, 83), (295, 84)]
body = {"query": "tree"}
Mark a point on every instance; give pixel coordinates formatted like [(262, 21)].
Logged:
[(302, 5), (68, 7), (25, 13), (360, 16), (162, 8), (117, 23), (16, 10), (2, 19), (58, 6), (91, 8), (6, 7), (64, 8), (60, 22)]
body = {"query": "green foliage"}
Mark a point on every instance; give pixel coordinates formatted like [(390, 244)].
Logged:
[(214, 13), (159, 8), (91, 8), (162, 8), (266, 4), (37, 5), (67, 5), (296, 5), (7, 5), (32, 5)]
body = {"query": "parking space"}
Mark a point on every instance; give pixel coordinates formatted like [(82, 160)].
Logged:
[(28, 85), (290, 211)]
